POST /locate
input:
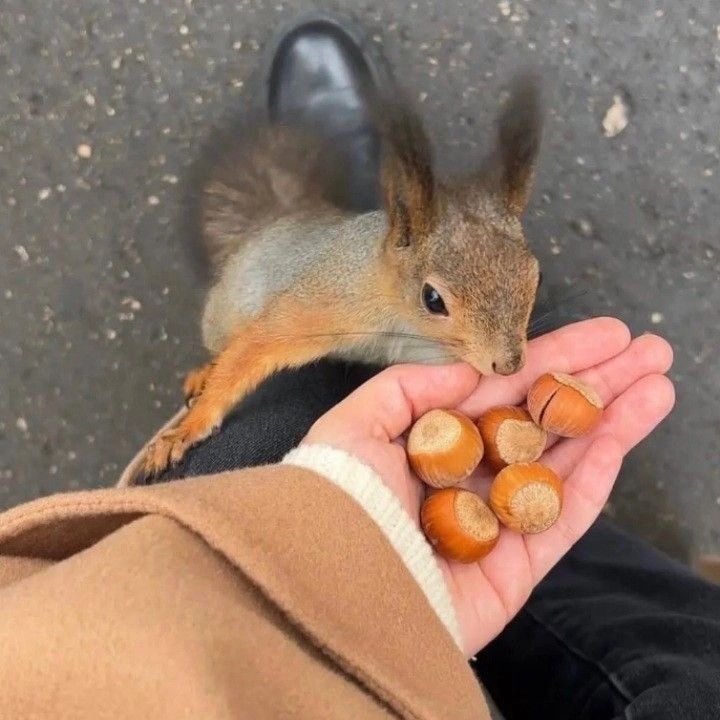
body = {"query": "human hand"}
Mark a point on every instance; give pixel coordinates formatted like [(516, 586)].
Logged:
[(628, 375)]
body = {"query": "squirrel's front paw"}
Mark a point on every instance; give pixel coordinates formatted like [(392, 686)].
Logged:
[(172, 445), (195, 382)]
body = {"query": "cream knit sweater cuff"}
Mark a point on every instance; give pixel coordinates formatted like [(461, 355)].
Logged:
[(364, 485)]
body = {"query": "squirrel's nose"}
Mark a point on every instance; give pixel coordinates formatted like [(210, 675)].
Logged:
[(510, 364)]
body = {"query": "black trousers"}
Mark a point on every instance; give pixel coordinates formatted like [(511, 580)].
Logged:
[(616, 630)]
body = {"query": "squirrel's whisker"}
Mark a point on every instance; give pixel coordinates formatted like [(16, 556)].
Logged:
[(545, 319), (368, 333)]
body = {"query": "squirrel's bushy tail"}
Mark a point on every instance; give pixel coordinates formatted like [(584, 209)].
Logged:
[(254, 173), (252, 176)]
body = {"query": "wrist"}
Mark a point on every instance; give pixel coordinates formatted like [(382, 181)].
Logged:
[(367, 488)]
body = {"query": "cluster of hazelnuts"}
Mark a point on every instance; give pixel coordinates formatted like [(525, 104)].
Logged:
[(444, 447)]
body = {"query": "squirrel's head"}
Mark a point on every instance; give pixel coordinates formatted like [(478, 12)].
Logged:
[(462, 268)]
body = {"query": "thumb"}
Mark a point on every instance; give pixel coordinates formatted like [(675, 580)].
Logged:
[(386, 406)]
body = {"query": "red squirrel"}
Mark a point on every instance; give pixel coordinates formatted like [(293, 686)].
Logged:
[(442, 272)]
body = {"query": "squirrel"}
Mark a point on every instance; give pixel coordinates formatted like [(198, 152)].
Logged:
[(443, 272)]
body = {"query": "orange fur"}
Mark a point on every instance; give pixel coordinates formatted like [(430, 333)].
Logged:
[(287, 335), (708, 566), (195, 381)]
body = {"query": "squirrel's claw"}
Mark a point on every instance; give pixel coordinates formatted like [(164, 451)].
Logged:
[(157, 456), (199, 422), (170, 448), (195, 382)]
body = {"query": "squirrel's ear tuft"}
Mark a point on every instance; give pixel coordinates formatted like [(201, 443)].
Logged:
[(407, 176), (519, 133)]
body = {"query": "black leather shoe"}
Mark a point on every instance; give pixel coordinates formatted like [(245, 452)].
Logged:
[(323, 75)]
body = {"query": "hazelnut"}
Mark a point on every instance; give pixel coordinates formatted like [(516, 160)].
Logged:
[(459, 525), (510, 436), (444, 447), (563, 405), (526, 497)]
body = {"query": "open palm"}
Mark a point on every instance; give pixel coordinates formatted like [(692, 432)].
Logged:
[(627, 373)]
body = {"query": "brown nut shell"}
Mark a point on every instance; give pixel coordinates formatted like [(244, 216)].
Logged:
[(563, 405), (459, 525), (510, 436), (444, 447), (526, 497)]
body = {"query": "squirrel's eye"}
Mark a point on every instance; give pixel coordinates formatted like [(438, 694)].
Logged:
[(433, 300)]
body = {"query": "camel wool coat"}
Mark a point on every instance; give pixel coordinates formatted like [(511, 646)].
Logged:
[(298, 590)]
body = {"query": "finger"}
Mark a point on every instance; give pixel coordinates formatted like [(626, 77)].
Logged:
[(629, 419), (646, 355), (648, 403), (585, 493), (570, 349), (386, 406)]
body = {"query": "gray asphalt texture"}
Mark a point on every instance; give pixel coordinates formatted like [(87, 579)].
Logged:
[(104, 103)]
